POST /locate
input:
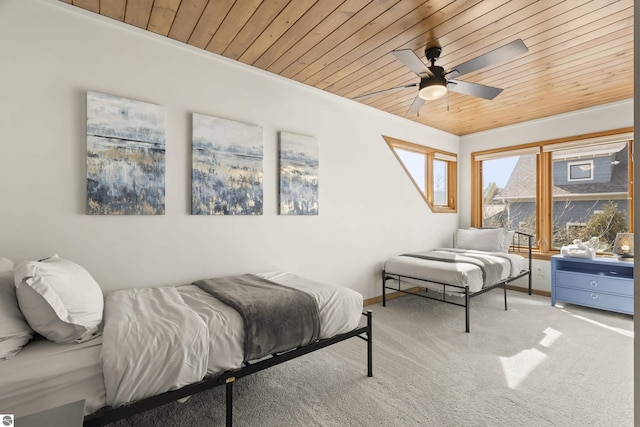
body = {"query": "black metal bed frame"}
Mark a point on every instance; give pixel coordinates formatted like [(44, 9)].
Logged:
[(228, 378), (462, 289)]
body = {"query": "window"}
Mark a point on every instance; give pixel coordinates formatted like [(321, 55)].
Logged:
[(590, 187), (432, 171), (508, 192), (580, 171), (558, 191)]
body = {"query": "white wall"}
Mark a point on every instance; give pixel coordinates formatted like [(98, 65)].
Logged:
[(606, 117), (53, 53)]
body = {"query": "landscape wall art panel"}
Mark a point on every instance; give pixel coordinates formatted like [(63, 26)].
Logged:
[(227, 167), (299, 166), (125, 156)]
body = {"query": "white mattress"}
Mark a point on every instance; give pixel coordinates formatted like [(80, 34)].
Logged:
[(45, 375), (460, 274)]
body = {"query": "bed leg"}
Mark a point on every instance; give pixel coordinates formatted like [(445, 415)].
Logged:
[(229, 399), (369, 345), (530, 264), (384, 287), (504, 286), (466, 307)]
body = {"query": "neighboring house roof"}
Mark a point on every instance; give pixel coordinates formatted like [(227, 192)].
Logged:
[(522, 182), (584, 153), (489, 211)]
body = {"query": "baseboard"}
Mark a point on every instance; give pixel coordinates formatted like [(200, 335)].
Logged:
[(533, 291), (392, 295)]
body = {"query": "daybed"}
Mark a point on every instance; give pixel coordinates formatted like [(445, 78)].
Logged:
[(151, 346), (481, 260)]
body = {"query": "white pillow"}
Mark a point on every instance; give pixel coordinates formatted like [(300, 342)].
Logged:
[(508, 239), (59, 299), (14, 330), (6, 264), (482, 239)]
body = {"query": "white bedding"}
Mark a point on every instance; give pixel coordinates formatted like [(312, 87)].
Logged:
[(152, 342), (340, 308), (459, 273), (139, 362), (340, 311), (45, 375)]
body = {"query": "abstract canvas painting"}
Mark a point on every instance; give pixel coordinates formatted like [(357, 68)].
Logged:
[(299, 166), (226, 167), (125, 156)]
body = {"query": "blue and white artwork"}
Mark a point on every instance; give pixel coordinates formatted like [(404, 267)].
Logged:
[(299, 166), (226, 167), (125, 156)]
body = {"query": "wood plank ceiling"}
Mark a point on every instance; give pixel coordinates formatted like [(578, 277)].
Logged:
[(580, 52)]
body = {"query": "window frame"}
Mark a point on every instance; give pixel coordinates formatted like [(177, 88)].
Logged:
[(431, 154), (544, 176)]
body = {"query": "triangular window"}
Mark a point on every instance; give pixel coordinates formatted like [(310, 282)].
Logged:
[(433, 172)]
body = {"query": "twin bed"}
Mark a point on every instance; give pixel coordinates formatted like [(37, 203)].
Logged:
[(163, 344), (481, 260)]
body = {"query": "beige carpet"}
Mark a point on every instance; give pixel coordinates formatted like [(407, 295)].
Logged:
[(533, 365)]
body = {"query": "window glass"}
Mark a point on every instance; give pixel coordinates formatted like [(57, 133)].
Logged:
[(416, 166), (580, 171), (509, 193), (440, 182), (590, 194)]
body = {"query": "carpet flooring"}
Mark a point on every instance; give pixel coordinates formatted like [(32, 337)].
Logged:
[(533, 365)]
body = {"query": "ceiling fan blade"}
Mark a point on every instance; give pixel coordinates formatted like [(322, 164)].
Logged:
[(380, 92), (496, 56), (474, 89), (415, 107), (411, 60)]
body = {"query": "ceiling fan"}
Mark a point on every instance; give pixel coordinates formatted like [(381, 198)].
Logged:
[(435, 81)]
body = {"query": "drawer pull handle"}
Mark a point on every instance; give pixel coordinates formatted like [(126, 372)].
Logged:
[(594, 296), (593, 283)]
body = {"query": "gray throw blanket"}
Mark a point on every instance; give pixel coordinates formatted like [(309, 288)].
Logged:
[(491, 271), (276, 318)]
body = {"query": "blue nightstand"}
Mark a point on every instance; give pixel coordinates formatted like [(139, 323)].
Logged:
[(604, 283)]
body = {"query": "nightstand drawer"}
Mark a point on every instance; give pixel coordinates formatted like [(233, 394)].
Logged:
[(617, 303), (595, 283)]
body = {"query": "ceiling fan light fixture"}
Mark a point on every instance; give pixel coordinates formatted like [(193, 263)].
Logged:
[(433, 88)]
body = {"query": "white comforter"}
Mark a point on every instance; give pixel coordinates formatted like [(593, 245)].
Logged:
[(171, 337)]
